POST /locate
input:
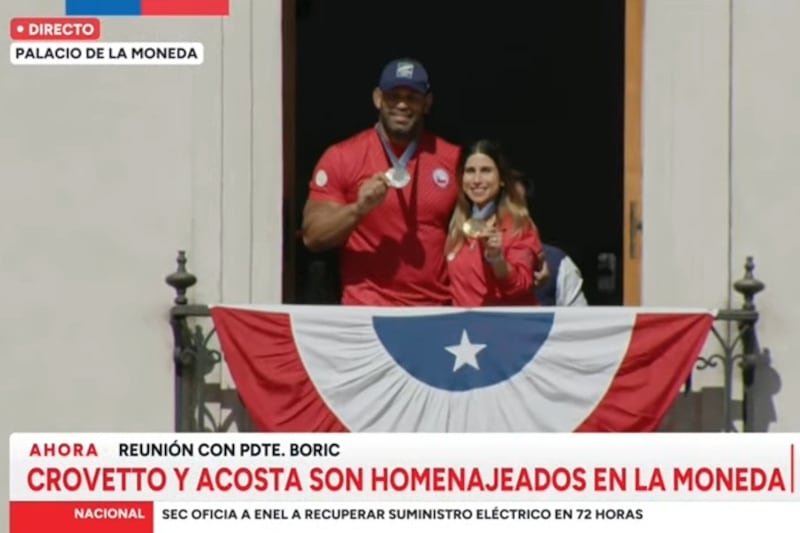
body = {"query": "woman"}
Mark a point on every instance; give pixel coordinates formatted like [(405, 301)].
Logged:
[(493, 246)]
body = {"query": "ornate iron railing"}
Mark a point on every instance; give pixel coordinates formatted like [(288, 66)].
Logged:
[(206, 398)]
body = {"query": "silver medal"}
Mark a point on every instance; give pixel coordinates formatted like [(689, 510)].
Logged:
[(397, 177)]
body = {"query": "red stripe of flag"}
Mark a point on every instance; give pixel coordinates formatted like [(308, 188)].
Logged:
[(662, 352), (270, 376), (186, 8)]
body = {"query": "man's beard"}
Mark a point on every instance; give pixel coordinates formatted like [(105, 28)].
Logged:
[(401, 134)]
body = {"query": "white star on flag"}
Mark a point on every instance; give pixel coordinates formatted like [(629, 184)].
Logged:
[(466, 353)]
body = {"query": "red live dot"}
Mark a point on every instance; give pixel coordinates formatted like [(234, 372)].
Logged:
[(55, 29)]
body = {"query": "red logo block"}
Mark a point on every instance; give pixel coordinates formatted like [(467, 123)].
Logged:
[(55, 29), (81, 517)]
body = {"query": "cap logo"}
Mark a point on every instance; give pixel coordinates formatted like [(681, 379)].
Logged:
[(405, 70)]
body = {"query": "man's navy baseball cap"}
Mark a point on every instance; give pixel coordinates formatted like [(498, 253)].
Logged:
[(405, 73)]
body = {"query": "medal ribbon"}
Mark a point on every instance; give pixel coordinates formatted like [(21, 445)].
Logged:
[(484, 212), (399, 164)]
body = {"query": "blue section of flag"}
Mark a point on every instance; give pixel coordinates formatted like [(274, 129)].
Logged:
[(104, 8), (422, 345)]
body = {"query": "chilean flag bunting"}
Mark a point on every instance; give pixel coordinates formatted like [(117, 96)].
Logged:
[(375, 369)]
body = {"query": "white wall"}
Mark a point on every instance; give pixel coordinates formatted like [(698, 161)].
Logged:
[(107, 172), (685, 175), (766, 185), (685, 154), (720, 171)]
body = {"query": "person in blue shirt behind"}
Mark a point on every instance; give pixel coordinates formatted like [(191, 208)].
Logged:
[(559, 282), (564, 287)]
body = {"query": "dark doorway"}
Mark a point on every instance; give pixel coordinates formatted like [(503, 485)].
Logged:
[(545, 78)]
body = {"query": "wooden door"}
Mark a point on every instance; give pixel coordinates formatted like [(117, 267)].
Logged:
[(632, 250)]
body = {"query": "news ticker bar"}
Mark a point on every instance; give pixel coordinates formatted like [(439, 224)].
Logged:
[(148, 8), (281, 482), (477, 467), (391, 517)]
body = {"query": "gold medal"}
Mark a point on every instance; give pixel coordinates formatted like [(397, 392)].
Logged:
[(473, 228)]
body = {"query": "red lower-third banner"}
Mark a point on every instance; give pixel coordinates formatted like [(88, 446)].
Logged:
[(81, 517)]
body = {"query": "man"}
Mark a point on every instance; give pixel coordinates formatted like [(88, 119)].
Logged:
[(384, 197), (565, 285)]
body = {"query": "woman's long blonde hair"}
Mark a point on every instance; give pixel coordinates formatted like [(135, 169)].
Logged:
[(511, 201)]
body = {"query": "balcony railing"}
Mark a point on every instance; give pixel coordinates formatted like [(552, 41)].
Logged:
[(206, 399)]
